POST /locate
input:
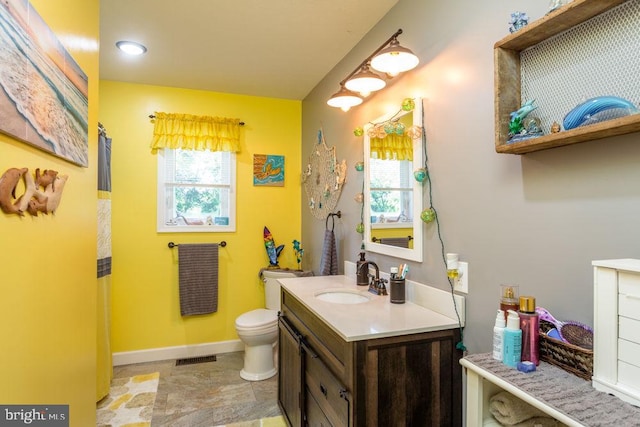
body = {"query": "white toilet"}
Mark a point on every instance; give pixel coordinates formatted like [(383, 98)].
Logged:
[(258, 330)]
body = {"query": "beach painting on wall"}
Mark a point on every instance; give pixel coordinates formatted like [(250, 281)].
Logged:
[(44, 96), (268, 170)]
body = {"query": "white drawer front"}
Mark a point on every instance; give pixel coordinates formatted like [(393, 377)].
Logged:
[(629, 283), (629, 306), (629, 329), (629, 352), (629, 376)]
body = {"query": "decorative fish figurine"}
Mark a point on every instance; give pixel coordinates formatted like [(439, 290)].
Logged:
[(584, 113), (273, 251), (524, 110)]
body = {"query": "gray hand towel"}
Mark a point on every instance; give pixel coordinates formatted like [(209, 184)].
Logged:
[(198, 275), (329, 261), (401, 242)]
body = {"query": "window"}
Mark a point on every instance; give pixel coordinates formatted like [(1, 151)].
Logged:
[(391, 191), (196, 191)]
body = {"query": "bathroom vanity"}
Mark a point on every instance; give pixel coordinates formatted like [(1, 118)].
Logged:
[(351, 358)]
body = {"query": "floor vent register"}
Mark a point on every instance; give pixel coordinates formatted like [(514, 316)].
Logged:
[(194, 360)]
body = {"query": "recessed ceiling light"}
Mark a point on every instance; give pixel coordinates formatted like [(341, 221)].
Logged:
[(131, 48)]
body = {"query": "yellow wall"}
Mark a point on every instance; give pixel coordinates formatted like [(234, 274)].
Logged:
[(48, 263), (145, 299)]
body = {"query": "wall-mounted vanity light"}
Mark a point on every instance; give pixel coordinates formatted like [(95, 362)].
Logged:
[(391, 59)]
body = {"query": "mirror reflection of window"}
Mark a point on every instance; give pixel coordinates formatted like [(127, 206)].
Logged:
[(391, 191), (392, 196)]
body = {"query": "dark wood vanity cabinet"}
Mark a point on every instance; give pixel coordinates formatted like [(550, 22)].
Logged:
[(408, 380), (290, 369)]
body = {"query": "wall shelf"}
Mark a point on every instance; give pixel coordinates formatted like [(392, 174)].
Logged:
[(507, 79)]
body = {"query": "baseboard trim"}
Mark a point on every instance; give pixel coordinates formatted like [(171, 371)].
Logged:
[(178, 352)]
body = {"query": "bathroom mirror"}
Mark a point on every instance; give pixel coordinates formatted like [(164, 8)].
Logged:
[(392, 196)]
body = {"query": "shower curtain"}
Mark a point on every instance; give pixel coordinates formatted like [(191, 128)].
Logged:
[(104, 361)]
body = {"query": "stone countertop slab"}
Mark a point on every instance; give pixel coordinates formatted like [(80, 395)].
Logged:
[(376, 318)]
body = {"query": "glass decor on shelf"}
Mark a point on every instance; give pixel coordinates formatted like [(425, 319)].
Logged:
[(597, 110)]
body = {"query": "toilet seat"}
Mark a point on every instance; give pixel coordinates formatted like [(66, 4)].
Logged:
[(258, 318)]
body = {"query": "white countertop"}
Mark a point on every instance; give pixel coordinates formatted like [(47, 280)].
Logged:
[(376, 318)]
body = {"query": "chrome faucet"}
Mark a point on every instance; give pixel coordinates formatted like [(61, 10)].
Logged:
[(376, 284)]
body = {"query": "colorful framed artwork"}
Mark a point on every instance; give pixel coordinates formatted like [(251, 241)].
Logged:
[(268, 170), (44, 96)]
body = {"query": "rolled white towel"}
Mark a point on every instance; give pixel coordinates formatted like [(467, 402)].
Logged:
[(510, 411), (490, 422), (538, 422)]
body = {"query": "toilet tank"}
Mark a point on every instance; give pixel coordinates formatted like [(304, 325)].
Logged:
[(272, 287)]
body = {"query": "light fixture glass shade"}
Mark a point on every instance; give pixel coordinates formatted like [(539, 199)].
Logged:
[(131, 48), (365, 81), (394, 59), (344, 99)]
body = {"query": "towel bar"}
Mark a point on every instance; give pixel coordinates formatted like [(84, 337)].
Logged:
[(172, 245), (377, 239)]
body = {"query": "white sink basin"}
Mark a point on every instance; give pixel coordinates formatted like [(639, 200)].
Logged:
[(342, 296)]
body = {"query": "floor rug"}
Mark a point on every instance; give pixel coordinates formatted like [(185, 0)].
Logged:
[(129, 403)]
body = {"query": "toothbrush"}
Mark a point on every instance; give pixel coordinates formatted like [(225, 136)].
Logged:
[(405, 270)]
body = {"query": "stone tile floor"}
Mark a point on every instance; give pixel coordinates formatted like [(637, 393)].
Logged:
[(207, 394)]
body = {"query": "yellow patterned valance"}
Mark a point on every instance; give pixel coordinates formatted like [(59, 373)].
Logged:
[(190, 132), (392, 147)]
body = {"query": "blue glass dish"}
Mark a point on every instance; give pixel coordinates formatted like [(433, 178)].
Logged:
[(598, 109)]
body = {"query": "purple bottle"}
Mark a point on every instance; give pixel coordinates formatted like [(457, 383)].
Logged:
[(529, 324)]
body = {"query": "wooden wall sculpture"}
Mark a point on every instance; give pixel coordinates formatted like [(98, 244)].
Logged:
[(41, 194)]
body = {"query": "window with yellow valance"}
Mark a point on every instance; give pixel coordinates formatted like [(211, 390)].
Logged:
[(392, 147), (189, 132)]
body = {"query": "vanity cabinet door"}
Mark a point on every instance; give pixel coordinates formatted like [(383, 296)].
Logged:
[(411, 380), (290, 373), (328, 393), (314, 415)]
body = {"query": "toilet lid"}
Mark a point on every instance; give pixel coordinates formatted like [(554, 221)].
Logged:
[(256, 318)]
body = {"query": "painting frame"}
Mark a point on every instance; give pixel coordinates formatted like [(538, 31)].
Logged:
[(44, 101), (268, 170)]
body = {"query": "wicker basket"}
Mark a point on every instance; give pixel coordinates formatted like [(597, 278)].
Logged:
[(569, 357)]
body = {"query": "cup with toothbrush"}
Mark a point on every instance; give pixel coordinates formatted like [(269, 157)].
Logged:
[(397, 284)]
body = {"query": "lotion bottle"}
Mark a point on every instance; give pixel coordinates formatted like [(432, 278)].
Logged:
[(529, 324), (512, 340), (498, 336)]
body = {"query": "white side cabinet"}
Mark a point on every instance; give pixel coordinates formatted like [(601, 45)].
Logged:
[(561, 395), (616, 351), (483, 382)]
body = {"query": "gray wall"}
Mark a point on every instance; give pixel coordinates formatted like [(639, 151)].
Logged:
[(536, 220)]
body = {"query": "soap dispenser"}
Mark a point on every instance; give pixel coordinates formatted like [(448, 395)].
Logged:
[(362, 273), (512, 344)]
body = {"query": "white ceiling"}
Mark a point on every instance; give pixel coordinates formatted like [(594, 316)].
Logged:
[(275, 48)]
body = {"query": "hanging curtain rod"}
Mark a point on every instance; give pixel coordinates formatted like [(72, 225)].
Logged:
[(173, 245), (152, 116)]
